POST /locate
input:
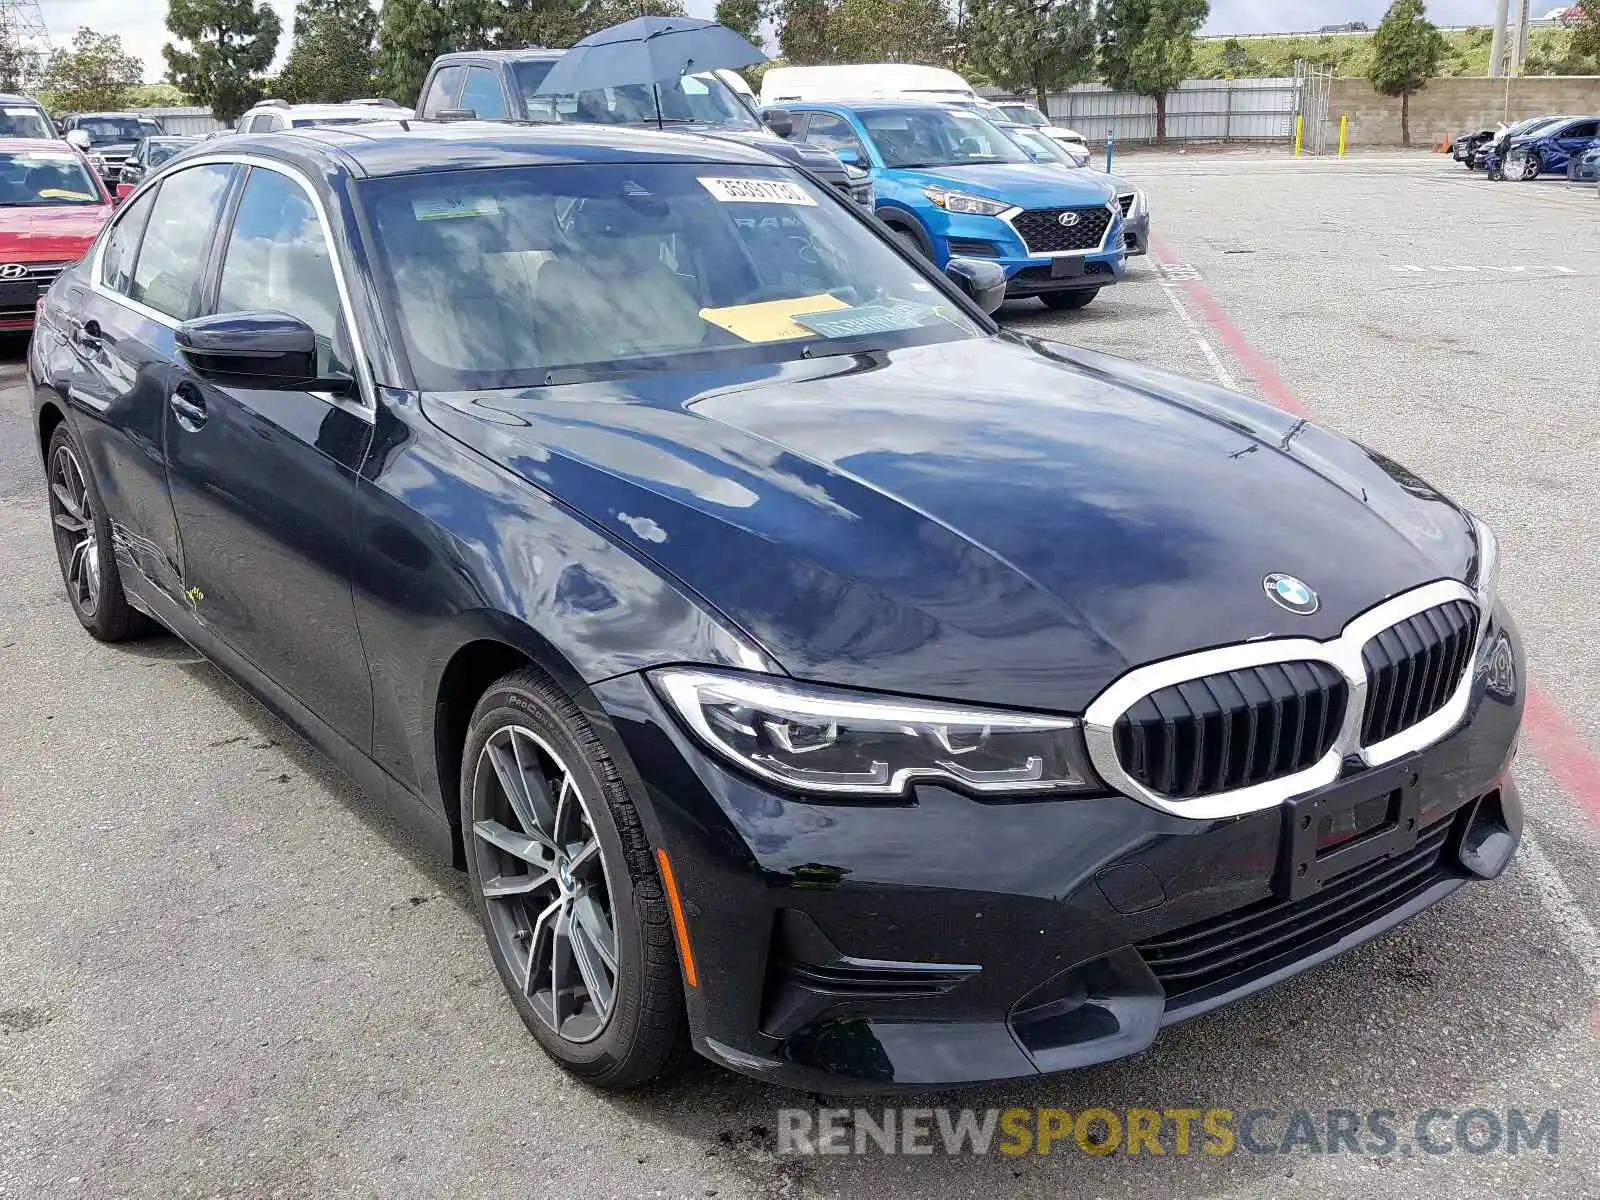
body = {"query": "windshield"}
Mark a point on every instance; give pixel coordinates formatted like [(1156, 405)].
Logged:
[(41, 178), (108, 131), (20, 122), (532, 276), (691, 99), (1542, 128), (161, 151), (1041, 147), (1024, 114), (938, 137)]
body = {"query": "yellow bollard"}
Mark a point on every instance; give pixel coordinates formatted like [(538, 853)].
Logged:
[(1344, 131), (1299, 133)]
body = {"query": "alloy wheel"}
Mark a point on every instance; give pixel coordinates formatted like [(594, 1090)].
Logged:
[(77, 536), (545, 883)]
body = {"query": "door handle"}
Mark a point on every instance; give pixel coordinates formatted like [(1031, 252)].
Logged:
[(189, 407)]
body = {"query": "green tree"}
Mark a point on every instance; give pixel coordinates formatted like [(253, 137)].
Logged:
[(804, 37), (94, 72), (1406, 50), (231, 43), (19, 64), (1584, 45), (743, 17), (540, 23), (1147, 46), (1037, 46), (907, 31), (332, 58), (412, 33)]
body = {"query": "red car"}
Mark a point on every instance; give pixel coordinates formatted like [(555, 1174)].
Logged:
[(52, 206)]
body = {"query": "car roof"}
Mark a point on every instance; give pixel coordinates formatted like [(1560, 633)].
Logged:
[(34, 145), (128, 116), (875, 104), (526, 54), (18, 98), (417, 147)]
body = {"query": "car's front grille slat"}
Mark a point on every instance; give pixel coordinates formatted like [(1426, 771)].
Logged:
[(1414, 667), (1232, 730), (1217, 955), (1042, 232)]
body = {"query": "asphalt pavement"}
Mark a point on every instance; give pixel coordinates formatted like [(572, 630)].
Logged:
[(224, 973)]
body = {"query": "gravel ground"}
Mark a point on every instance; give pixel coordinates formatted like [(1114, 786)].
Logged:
[(223, 973)]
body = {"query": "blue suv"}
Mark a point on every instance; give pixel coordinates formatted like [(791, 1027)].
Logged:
[(954, 186)]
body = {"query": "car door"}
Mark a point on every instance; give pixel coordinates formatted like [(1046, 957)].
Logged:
[(1575, 139), (145, 282), (263, 480)]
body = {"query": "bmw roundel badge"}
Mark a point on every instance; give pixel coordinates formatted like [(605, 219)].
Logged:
[(1291, 593)]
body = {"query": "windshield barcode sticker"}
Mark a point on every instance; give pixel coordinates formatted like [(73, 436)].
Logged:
[(447, 208), (757, 191)]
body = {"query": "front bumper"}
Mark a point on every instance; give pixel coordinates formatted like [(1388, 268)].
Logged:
[(864, 947), (956, 235)]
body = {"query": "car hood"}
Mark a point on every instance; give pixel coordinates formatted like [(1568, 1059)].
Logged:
[(115, 149), (50, 234), (999, 521), (1030, 185)]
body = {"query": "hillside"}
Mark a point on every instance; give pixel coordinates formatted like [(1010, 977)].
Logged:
[(1548, 54)]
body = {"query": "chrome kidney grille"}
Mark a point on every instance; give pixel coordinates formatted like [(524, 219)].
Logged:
[(1233, 730), (1238, 729), (1413, 666)]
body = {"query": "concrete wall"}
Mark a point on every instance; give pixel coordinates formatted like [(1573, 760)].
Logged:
[(1451, 106)]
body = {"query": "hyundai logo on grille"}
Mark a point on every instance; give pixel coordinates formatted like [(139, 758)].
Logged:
[(1069, 219), (13, 271), (1290, 593)]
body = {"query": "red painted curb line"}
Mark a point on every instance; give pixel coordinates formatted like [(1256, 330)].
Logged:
[(1563, 750)]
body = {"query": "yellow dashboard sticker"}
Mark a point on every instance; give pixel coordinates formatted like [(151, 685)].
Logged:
[(770, 320)]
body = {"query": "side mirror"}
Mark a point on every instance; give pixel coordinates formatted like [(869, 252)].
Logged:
[(269, 350), (850, 158), (124, 190), (780, 121), (983, 282), (78, 138), (456, 114)]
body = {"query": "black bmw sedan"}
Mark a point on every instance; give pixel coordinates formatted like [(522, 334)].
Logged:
[(802, 669)]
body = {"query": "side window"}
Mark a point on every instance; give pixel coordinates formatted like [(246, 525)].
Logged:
[(171, 255), (122, 244), (836, 134), (442, 91), (276, 257), (242, 125), (265, 123), (1583, 129), (482, 94)]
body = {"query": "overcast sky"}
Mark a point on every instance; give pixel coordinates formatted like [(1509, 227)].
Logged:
[(143, 34)]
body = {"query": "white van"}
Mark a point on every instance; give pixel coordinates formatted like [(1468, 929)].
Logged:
[(864, 81)]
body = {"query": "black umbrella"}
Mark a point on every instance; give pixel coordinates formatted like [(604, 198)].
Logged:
[(648, 51)]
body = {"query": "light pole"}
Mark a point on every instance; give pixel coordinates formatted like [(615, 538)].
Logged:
[(1497, 47)]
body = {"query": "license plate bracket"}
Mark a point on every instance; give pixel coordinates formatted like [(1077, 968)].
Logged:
[(1066, 268), (1349, 825)]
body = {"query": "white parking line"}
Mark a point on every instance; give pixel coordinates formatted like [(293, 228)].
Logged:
[(1166, 284)]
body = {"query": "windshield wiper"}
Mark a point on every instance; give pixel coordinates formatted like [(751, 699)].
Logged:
[(866, 343)]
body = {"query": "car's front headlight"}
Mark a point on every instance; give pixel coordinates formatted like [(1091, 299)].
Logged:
[(1484, 573), (838, 742), (960, 202)]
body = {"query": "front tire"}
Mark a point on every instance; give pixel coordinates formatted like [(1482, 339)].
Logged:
[(83, 545), (564, 883), (1532, 167), (1069, 301)]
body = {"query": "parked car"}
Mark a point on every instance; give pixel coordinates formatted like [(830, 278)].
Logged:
[(1466, 145), (504, 85), (108, 138), (24, 117), (52, 207), (270, 116), (1021, 113), (150, 153), (1132, 200), (800, 667), (950, 184), (781, 86), (1545, 148), (1585, 167)]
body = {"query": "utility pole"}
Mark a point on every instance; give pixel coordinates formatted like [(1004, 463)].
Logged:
[(1519, 38), (1497, 47)]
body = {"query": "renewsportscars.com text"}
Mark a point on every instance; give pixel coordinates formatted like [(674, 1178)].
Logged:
[(1174, 1131)]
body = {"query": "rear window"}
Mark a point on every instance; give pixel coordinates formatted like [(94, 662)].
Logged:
[(544, 275), (20, 121)]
